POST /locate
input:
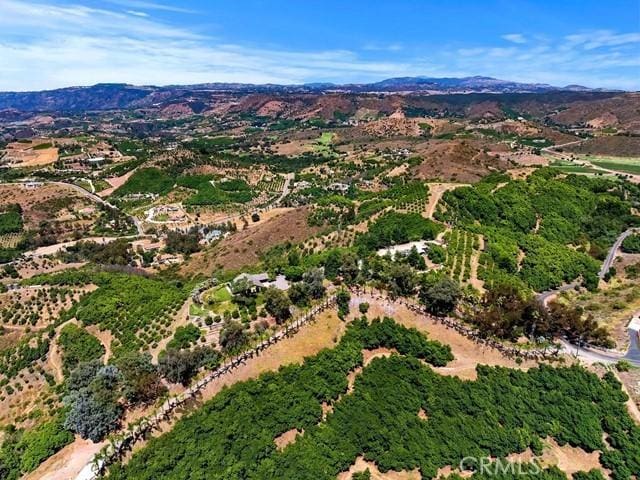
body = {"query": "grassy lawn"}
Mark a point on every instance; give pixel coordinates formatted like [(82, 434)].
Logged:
[(218, 300), (571, 167), (83, 183), (221, 294), (323, 144), (619, 164), (196, 310), (576, 169)]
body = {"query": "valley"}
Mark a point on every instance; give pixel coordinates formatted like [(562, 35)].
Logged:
[(265, 282)]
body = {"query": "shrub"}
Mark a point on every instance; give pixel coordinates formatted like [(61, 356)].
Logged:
[(78, 346)]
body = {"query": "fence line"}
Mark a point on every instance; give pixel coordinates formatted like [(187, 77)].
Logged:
[(471, 333), (123, 443)]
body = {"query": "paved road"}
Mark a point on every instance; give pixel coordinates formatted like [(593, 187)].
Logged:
[(591, 355), (552, 149), (633, 354), (613, 251), (102, 201), (543, 297)]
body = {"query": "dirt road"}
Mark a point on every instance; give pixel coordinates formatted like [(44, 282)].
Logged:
[(436, 190)]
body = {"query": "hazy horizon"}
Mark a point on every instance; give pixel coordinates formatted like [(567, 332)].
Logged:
[(52, 44)]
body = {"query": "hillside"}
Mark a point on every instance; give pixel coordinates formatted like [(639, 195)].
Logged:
[(116, 96)]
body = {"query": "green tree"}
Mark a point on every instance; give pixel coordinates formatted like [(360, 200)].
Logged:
[(141, 380), (299, 294), (415, 259), (343, 297), (78, 346), (400, 279), (233, 336), (314, 278), (277, 304), (440, 295)]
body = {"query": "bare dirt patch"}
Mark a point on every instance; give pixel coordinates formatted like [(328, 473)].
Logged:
[(369, 355), (68, 462), (521, 173), (567, 458), (467, 353), (524, 158), (244, 248), (287, 437), (360, 465), (115, 182), (631, 385), (456, 161), (617, 146), (436, 190), (35, 153), (293, 147), (30, 267)]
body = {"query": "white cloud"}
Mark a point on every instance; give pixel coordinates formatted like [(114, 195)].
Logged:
[(145, 5), (20, 17), (44, 45), (515, 38), (601, 38), (388, 47), (137, 13), (613, 64)]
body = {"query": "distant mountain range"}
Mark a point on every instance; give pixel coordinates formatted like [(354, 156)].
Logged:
[(110, 96)]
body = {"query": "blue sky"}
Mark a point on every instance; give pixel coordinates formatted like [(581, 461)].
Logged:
[(56, 43)]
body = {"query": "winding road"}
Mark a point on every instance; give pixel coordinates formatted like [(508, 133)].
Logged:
[(89, 195), (613, 251), (590, 354), (551, 150), (101, 201)]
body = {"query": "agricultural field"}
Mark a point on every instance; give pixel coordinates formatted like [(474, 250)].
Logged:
[(214, 192), (462, 248), (618, 164), (271, 184), (391, 396), (118, 295), (568, 166), (137, 310), (38, 307), (335, 239), (33, 153), (147, 180), (532, 226)]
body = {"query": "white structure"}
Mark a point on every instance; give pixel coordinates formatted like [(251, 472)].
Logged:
[(338, 187), (405, 248), (261, 280)]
